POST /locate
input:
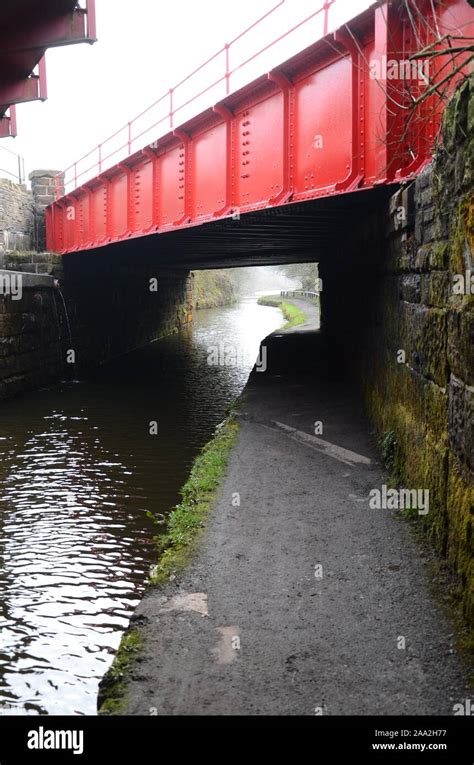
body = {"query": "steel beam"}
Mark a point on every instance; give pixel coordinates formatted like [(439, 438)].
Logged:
[(8, 124), (318, 125), (32, 88), (48, 33)]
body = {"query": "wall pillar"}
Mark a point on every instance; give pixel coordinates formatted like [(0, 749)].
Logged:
[(43, 187)]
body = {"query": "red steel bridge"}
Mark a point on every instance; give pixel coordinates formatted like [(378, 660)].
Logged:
[(359, 108)]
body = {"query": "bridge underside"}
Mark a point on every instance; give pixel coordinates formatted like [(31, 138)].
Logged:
[(27, 29), (305, 232)]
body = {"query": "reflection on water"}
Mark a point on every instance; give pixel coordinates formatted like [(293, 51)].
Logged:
[(79, 472)]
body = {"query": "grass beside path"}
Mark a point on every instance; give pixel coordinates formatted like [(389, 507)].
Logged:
[(186, 522), (184, 528), (292, 313)]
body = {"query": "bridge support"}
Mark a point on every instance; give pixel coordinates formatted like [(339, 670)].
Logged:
[(398, 302)]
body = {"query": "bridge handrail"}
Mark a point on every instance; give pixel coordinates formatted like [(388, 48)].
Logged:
[(99, 165), (18, 163), (298, 293)]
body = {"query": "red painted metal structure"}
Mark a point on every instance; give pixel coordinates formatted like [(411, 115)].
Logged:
[(27, 29), (353, 111)]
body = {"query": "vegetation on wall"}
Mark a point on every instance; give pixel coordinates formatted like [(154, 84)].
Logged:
[(213, 288)]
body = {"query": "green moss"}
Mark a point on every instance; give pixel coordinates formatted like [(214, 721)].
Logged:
[(273, 301), (436, 413), (387, 447), (21, 256), (292, 313), (434, 471), (448, 592), (409, 403), (412, 419), (461, 234), (111, 692), (213, 288), (438, 256), (460, 502)]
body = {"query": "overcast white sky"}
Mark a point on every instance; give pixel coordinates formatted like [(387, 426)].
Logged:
[(143, 48)]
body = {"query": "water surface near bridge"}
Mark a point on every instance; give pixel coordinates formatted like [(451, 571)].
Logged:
[(78, 474)]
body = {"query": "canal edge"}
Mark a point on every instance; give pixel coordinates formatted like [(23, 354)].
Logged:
[(176, 547)]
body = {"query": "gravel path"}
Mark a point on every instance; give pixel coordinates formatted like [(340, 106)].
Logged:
[(302, 599)]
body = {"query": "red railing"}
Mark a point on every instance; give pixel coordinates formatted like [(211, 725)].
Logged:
[(99, 161)]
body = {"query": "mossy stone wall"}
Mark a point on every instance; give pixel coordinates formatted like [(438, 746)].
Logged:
[(418, 375)]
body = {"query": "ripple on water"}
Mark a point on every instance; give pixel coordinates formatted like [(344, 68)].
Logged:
[(79, 473)]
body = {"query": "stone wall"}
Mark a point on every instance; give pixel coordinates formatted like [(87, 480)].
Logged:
[(22, 217), (108, 303), (95, 307), (17, 217), (43, 188), (418, 347), (33, 332), (32, 262), (213, 288), (117, 303)]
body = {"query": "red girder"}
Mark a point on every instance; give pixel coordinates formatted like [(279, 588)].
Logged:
[(27, 29), (320, 124), (8, 124), (30, 89), (48, 32)]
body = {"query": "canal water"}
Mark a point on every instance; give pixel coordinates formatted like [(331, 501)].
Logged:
[(79, 474)]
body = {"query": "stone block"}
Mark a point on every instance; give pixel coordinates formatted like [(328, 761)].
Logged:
[(461, 421), (460, 509), (422, 258), (426, 197), (428, 216), (35, 174), (438, 255), (435, 289), (436, 412), (43, 200), (428, 233), (460, 346), (410, 288), (424, 338)]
